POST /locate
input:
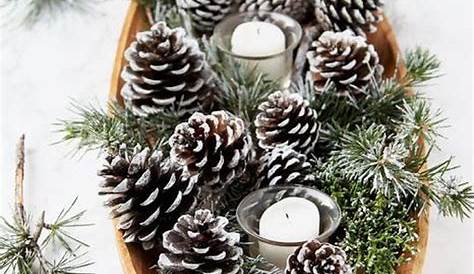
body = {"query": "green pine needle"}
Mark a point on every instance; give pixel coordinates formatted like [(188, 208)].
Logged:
[(418, 122), (422, 66), (370, 156), (95, 128), (453, 199), (28, 13), (22, 245)]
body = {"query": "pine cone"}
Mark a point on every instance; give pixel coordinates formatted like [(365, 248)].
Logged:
[(286, 119), (205, 14), (283, 166), (358, 16), (314, 257), (345, 60), (200, 244), (166, 71), (214, 147), (146, 194), (301, 10)]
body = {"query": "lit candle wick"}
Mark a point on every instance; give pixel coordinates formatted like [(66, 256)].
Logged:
[(288, 217)]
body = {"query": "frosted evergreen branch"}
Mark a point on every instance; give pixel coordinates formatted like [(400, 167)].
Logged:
[(422, 66), (22, 245), (371, 157), (97, 128), (452, 197), (418, 122), (30, 12)]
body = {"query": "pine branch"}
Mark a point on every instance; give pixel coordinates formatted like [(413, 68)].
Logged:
[(370, 156), (418, 122), (453, 198), (28, 13), (95, 128), (20, 248), (422, 66)]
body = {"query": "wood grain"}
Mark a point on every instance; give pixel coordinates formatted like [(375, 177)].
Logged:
[(134, 260)]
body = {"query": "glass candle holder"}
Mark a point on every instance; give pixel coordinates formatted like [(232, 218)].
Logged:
[(252, 207), (253, 42)]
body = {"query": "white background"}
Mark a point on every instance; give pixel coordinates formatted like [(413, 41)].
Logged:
[(43, 68)]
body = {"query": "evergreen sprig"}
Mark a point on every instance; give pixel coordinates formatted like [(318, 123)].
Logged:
[(29, 12), (417, 121), (97, 128), (370, 156), (23, 244), (452, 197), (422, 66)]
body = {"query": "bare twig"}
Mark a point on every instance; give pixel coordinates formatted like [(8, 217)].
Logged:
[(19, 178)]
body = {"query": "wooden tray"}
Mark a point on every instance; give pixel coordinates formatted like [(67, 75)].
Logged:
[(134, 260)]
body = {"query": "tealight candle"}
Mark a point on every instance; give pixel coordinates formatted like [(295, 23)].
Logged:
[(258, 40), (290, 220)]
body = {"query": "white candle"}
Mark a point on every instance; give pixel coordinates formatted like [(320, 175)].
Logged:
[(262, 39), (289, 220)]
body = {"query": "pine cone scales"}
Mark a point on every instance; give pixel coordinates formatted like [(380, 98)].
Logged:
[(286, 119), (205, 14), (200, 244), (314, 257), (358, 16), (345, 60), (214, 147), (166, 71), (300, 10), (283, 166), (146, 194)]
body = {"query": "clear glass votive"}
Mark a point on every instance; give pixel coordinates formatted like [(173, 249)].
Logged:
[(252, 207), (276, 64)]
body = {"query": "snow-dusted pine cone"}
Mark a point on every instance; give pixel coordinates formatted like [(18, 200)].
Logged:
[(166, 71), (200, 244), (314, 257), (146, 193), (358, 16), (301, 10), (283, 166), (286, 119), (205, 14), (345, 60), (214, 147)]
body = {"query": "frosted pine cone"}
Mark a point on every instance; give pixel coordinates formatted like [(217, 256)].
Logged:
[(286, 119), (205, 14), (357, 16), (283, 166), (314, 257), (301, 10), (214, 147), (345, 60), (166, 71), (200, 244), (146, 194)]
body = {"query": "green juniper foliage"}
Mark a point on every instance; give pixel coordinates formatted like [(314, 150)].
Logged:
[(376, 230)]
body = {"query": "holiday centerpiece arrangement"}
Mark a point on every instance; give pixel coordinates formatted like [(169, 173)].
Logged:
[(268, 137)]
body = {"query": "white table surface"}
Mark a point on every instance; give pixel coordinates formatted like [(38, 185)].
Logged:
[(42, 69)]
